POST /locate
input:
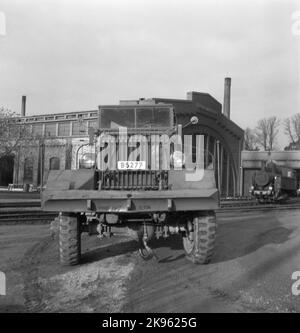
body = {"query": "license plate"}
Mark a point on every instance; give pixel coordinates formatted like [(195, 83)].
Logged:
[(131, 165)]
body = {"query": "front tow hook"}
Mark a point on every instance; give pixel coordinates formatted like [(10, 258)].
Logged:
[(145, 250)]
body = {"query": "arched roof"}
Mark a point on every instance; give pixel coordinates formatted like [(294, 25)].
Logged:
[(211, 122)]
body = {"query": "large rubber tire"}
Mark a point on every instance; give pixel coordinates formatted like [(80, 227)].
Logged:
[(199, 242), (69, 240)]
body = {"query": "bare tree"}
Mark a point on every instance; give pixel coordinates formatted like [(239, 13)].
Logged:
[(273, 127), (292, 127), (12, 133), (250, 140), (261, 133), (266, 132)]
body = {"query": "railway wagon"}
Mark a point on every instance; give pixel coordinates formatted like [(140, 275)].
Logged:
[(137, 176), (274, 183)]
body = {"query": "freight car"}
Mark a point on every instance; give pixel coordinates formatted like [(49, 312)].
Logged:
[(273, 183)]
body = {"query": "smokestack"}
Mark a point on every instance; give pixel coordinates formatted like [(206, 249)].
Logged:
[(226, 104), (23, 110)]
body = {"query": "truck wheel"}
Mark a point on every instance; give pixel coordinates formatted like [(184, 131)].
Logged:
[(69, 240), (200, 238)]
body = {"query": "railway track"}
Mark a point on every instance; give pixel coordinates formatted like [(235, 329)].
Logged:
[(246, 204), (28, 216), (20, 204), (258, 207)]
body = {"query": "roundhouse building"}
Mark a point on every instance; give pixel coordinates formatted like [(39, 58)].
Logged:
[(62, 135)]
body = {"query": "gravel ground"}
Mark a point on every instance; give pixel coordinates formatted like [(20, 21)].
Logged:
[(251, 271), (37, 283)]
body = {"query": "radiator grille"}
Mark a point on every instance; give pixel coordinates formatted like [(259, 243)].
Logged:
[(133, 180)]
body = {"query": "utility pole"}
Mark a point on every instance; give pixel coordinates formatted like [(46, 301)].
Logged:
[(218, 162), (42, 148)]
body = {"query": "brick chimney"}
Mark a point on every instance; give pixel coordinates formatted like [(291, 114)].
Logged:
[(23, 109), (226, 104)]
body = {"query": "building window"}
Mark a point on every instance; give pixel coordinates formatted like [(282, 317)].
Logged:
[(28, 170), (54, 163), (50, 129), (13, 129), (93, 123), (37, 129), (79, 128), (64, 129), (70, 116)]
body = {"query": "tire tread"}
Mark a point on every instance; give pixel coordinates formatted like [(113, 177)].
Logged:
[(204, 239), (69, 240)]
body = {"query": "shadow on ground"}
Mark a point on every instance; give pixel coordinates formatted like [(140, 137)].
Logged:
[(239, 238), (234, 240)]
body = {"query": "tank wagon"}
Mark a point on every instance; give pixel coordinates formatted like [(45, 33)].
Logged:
[(274, 183), (156, 191)]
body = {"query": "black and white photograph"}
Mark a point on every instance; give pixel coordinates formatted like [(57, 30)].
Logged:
[(149, 159)]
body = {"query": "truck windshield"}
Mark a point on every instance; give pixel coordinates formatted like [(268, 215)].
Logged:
[(143, 117), (114, 118), (153, 117)]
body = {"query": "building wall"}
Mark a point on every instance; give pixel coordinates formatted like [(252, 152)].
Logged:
[(54, 136), (50, 151), (67, 151)]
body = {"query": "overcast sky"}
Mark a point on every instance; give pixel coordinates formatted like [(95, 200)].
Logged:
[(71, 55)]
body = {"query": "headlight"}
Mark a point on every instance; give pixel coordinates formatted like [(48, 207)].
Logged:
[(270, 188), (87, 161), (177, 159)]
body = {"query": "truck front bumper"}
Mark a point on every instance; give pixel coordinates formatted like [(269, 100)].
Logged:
[(129, 202)]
